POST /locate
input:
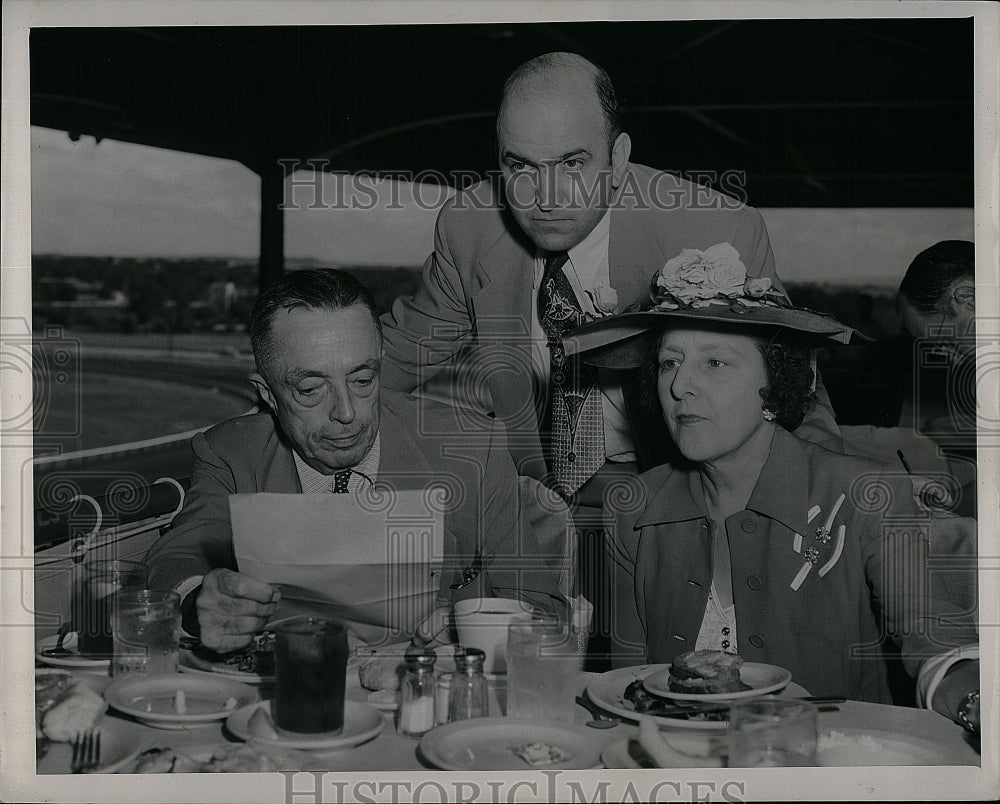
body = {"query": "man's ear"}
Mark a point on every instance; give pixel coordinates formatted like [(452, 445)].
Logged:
[(264, 390), (964, 298), (620, 153)]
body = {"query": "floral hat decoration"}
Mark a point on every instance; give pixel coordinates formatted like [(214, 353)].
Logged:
[(709, 286)]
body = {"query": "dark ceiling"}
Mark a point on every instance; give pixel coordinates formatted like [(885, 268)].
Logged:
[(817, 112)]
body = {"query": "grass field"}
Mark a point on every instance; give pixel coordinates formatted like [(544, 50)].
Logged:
[(108, 410)]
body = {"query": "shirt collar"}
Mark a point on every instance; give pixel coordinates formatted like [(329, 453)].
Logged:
[(780, 492), (590, 255), (363, 475), (588, 258)]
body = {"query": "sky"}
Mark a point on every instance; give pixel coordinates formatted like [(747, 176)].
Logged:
[(118, 199)]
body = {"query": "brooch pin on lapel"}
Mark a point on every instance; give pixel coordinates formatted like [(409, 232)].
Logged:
[(811, 554)]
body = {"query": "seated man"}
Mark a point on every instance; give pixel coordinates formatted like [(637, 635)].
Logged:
[(317, 343)]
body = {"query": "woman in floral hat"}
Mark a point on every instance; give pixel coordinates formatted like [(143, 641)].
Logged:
[(756, 541)]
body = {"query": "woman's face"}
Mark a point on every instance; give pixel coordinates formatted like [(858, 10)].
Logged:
[(709, 384)]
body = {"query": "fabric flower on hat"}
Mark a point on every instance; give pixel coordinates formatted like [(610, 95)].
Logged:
[(604, 298), (693, 277), (717, 275)]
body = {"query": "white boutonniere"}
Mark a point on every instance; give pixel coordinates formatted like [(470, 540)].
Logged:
[(604, 298)]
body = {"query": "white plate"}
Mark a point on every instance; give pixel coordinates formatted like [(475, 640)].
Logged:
[(150, 699), (761, 678), (361, 723), (484, 744), (195, 665), (607, 691), (689, 750), (76, 660), (119, 746), (866, 747)]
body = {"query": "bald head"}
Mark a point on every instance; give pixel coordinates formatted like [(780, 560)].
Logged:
[(563, 78)]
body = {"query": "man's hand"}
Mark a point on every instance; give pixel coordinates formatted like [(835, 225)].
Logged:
[(232, 608)]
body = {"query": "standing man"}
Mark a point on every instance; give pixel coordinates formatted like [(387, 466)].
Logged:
[(317, 344), (575, 232)]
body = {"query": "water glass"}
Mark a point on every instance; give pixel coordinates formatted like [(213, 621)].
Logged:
[(542, 667), (772, 732), (146, 626), (310, 676), (93, 600)]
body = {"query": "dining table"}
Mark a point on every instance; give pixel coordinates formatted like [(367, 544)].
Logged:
[(391, 751)]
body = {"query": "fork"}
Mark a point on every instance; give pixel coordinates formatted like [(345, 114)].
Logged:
[(86, 751)]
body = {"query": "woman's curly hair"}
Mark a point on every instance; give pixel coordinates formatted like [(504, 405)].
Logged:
[(788, 366)]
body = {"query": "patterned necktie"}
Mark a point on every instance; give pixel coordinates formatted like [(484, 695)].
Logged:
[(577, 447), (340, 481)]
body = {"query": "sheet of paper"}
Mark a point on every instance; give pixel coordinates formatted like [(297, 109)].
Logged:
[(371, 561)]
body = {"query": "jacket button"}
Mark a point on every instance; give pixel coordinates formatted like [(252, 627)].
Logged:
[(725, 630), (757, 640), (749, 526), (754, 583)]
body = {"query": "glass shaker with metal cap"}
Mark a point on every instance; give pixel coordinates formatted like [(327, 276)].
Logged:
[(416, 708), (469, 696)]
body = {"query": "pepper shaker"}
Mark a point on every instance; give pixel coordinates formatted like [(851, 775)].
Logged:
[(469, 695)]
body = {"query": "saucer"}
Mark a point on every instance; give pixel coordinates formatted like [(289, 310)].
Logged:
[(361, 723)]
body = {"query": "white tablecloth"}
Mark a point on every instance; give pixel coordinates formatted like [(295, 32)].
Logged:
[(389, 751)]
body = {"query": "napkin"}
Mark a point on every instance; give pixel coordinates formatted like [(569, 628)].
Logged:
[(374, 563)]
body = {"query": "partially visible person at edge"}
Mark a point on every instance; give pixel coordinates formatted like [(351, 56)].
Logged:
[(761, 543), (937, 304), (574, 233), (317, 344)]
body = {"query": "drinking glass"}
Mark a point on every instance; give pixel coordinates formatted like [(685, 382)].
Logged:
[(146, 626), (93, 600), (310, 676), (772, 732), (542, 666)]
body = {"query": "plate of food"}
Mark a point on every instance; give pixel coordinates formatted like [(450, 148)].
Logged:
[(623, 693), (866, 747), (256, 723), (253, 664), (712, 676), (222, 757), (68, 654), (65, 705), (500, 743), (175, 701), (68, 704)]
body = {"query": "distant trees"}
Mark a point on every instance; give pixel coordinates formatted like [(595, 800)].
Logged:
[(169, 295)]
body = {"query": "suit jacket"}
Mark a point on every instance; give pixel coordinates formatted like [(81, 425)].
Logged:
[(468, 454), (830, 631), (465, 334)]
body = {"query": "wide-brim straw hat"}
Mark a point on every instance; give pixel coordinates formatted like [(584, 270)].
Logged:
[(620, 341)]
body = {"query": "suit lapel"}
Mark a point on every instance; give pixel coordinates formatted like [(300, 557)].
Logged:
[(276, 470), (503, 309), (634, 253)]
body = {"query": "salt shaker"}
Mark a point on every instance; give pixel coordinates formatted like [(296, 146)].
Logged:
[(416, 709), (469, 695)]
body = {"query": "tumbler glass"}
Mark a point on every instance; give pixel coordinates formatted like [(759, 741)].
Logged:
[(771, 732), (310, 676), (146, 627)]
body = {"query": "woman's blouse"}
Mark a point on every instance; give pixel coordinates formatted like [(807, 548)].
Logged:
[(830, 559)]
